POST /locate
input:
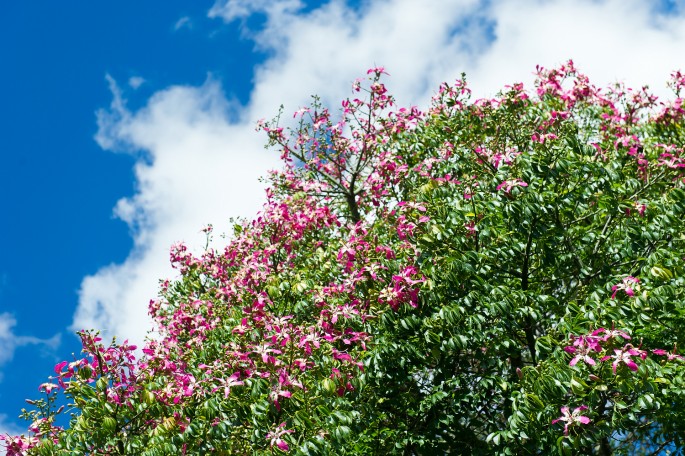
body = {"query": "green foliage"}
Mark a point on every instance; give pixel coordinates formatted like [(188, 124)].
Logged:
[(496, 276)]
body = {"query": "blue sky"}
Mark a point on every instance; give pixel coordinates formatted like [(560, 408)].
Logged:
[(127, 126)]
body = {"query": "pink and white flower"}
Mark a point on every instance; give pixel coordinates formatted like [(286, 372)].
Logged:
[(582, 347), (610, 334), (572, 418), (624, 355), (275, 437), (629, 284), (507, 185), (670, 355)]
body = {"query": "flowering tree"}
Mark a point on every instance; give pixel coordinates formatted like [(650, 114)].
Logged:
[(496, 276)]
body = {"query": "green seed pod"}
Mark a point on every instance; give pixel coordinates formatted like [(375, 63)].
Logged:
[(85, 373), (101, 384), (109, 424), (148, 397)]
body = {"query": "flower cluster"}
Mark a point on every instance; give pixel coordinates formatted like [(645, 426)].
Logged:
[(18, 445), (383, 218), (610, 343), (602, 340)]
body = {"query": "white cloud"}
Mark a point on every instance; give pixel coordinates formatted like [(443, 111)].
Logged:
[(202, 156), (135, 81), (495, 42), (610, 40), (9, 341), (183, 22), (201, 165), (241, 9)]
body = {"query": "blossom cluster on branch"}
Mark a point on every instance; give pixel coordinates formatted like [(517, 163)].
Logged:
[(409, 287)]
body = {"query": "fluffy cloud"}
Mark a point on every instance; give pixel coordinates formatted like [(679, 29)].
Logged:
[(9, 341), (199, 164), (495, 42), (613, 40), (201, 157), (241, 9)]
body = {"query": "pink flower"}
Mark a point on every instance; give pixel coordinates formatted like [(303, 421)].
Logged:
[(60, 366), (670, 355), (640, 208), (264, 351), (610, 334), (17, 446), (470, 228), (412, 205), (275, 437), (624, 355), (242, 328), (377, 71), (342, 356), (629, 285), (228, 383), (300, 112), (48, 387), (572, 418), (275, 396), (470, 190), (357, 85), (582, 356), (509, 184), (581, 348), (36, 425)]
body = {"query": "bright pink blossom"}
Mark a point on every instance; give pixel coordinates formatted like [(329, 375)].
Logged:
[(572, 418), (275, 437), (228, 383), (640, 208), (670, 355), (18, 445), (628, 284), (581, 347), (509, 184), (48, 387), (610, 334), (470, 228), (624, 355)]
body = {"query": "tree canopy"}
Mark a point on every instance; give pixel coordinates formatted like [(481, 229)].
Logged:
[(491, 276)]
